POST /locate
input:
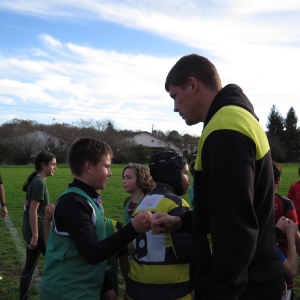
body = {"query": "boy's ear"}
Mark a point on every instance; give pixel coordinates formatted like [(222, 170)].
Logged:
[(87, 167), (277, 181)]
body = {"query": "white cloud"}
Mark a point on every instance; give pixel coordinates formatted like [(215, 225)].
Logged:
[(244, 39), (6, 100), (47, 39)]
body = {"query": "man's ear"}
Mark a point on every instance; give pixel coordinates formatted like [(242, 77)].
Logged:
[(43, 164), (193, 83), (87, 167)]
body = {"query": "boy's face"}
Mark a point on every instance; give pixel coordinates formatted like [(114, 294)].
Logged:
[(185, 179), (101, 172), (129, 181)]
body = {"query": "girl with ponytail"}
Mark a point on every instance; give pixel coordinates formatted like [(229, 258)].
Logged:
[(34, 212)]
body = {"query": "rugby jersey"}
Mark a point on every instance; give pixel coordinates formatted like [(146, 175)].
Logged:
[(234, 205), (294, 194), (160, 268)]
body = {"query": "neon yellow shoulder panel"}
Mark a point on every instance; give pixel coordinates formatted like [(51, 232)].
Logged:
[(235, 118)]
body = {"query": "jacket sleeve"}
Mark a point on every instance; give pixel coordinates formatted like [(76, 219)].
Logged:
[(228, 162)]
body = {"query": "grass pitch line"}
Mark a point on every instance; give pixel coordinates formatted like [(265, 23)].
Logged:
[(16, 238), (36, 279)]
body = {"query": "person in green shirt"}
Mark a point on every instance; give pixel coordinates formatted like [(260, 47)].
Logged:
[(37, 198)]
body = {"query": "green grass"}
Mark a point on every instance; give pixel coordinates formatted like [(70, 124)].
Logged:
[(11, 264)]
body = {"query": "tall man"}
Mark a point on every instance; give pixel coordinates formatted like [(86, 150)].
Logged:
[(3, 211), (233, 251)]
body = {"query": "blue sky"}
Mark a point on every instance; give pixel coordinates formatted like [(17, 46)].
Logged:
[(87, 59)]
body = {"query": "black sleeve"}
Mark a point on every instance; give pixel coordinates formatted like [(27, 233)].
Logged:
[(1, 179), (72, 217), (106, 284), (101, 250), (228, 163), (186, 222), (181, 240)]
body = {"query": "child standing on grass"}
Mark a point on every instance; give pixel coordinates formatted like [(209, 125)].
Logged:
[(160, 267), (37, 198), (78, 246), (138, 183)]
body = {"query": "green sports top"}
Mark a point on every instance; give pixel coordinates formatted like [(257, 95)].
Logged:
[(66, 274)]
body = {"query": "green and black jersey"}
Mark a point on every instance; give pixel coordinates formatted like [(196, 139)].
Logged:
[(160, 268), (234, 205)]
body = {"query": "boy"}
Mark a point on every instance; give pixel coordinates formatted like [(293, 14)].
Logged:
[(160, 268), (294, 194), (77, 247)]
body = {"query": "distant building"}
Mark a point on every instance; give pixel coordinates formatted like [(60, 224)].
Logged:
[(156, 144), (192, 147)]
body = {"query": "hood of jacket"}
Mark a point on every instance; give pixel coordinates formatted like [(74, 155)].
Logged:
[(231, 94)]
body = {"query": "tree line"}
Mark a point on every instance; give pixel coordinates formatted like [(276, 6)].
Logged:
[(19, 142), (284, 136)]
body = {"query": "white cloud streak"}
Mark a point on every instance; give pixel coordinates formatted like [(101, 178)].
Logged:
[(242, 38)]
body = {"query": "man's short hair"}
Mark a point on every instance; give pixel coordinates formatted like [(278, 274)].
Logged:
[(277, 170), (196, 66), (86, 149)]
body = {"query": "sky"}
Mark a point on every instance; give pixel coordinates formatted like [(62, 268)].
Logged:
[(68, 60)]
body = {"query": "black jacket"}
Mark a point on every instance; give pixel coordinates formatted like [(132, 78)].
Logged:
[(234, 205)]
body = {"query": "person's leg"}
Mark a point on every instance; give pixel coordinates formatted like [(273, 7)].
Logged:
[(32, 260)]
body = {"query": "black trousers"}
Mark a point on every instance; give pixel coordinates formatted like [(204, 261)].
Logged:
[(32, 260)]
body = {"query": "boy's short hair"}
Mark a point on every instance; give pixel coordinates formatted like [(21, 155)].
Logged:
[(196, 66), (86, 149), (277, 170), (143, 178), (299, 171), (192, 168)]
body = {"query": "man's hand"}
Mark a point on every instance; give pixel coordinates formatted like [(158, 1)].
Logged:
[(141, 221), (3, 212), (49, 213), (163, 223), (281, 223)]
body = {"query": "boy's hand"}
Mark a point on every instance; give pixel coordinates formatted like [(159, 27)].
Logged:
[(141, 221), (291, 228), (281, 223), (49, 213), (163, 223)]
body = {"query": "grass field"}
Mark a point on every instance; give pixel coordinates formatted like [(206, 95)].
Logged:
[(11, 260)]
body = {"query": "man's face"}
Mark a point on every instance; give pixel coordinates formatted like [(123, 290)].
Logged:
[(185, 103)]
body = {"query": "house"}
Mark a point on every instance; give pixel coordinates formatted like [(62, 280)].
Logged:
[(156, 144), (192, 147)]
